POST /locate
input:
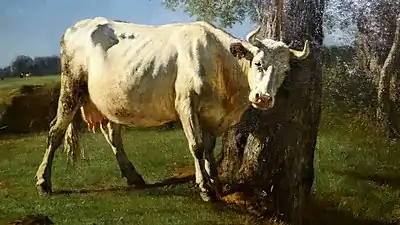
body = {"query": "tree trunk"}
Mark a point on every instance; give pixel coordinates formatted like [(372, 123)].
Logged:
[(271, 22), (394, 131), (368, 61), (269, 155), (378, 46), (385, 113)]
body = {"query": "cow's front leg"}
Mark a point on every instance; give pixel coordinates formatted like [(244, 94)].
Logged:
[(194, 135), (112, 133)]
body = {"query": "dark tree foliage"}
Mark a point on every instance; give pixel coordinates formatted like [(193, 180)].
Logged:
[(42, 65), (21, 64), (225, 13)]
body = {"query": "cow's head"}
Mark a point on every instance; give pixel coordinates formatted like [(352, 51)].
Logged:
[(269, 62)]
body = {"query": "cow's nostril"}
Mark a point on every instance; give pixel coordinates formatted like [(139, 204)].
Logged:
[(257, 96)]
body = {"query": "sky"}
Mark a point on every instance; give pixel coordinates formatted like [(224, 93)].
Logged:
[(34, 27)]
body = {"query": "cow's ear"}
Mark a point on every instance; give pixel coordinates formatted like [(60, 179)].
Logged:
[(239, 51)]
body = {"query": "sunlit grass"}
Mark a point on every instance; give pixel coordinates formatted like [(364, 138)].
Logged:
[(104, 198), (15, 82)]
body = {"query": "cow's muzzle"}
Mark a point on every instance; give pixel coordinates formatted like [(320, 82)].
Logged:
[(262, 101)]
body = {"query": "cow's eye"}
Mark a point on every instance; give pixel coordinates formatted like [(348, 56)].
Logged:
[(257, 64)]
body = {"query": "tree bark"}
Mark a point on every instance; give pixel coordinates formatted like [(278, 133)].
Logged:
[(268, 156), (270, 13), (394, 115), (385, 109), (368, 61)]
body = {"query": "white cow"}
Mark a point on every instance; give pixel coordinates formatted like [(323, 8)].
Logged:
[(124, 73)]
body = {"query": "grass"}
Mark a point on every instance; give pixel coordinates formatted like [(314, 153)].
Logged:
[(357, 170), (15, 82), (103, 199), (357, 180)]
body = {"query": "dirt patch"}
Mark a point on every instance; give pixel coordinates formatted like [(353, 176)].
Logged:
[(38, 219), (234, 198), (3, 183), (29, 108), (184, 171)]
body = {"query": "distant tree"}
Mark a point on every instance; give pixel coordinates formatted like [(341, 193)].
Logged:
[(21, 64), (6, 71), (269, 155), (46, 65)]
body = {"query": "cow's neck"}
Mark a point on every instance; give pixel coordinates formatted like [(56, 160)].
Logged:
[(236, 85), (237, 90), (244, 68)]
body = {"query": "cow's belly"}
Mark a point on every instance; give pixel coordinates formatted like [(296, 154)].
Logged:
[(145, 116), (217, 116), (139, 113), (134, 107)]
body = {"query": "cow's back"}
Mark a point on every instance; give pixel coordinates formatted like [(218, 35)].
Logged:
[(76, 43)]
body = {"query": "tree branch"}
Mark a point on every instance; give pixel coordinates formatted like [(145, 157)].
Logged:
[(393, 50), (385, 76), (257, 10)]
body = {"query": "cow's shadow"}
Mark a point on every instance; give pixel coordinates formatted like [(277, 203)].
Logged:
[(168, 186)]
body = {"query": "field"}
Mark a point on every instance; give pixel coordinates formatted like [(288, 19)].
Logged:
[(357, 178)]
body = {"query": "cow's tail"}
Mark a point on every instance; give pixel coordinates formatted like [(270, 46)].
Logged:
[(71, 141), (73, 86)]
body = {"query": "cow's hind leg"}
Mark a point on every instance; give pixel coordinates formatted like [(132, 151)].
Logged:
[(194, 135), (210, 166), (65, 114), (112, 133), (71, 142)]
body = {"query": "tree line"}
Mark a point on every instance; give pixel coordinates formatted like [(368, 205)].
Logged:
[(40, 65)]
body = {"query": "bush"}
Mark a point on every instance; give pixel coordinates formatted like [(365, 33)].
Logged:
[(348, 89)]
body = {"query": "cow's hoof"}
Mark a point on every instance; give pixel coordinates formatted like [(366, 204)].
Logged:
[(208, 196), (218, 189), (138, 182), (43, 188)]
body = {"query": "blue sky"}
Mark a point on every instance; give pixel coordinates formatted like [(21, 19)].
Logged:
[(34, 27)]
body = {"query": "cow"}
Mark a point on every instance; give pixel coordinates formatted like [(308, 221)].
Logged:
[(120, 73)]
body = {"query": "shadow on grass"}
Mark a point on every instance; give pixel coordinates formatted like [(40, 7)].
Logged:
[(173, 186), (391, 179), (322, 213), (165, 183), (318, 212)]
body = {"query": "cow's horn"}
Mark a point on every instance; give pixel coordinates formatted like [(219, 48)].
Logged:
[(251, 37), (300, 55)]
